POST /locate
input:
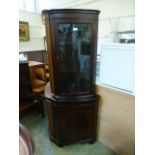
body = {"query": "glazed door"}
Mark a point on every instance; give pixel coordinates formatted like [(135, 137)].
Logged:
[(74, 53)]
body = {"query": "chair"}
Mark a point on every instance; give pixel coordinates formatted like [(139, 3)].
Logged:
[(39, 80)]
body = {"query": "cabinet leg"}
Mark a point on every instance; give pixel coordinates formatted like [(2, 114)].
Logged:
[(59, 144), (92, 141)]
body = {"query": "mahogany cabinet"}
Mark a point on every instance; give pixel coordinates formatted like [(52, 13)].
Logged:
[(72, 103)]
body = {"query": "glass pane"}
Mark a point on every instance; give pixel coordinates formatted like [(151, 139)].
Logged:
[(74, 43)]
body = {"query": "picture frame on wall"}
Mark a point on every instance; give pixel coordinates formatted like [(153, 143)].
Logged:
[(24, 31)]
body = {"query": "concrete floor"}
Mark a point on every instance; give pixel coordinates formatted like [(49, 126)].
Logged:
[(38, 128)]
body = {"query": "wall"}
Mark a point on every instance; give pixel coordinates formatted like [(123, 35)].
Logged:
[(115, 16), (116, 120), (37, 32)]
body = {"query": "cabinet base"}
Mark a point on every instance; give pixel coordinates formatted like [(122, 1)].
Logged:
[(73, 122), (61, 144)]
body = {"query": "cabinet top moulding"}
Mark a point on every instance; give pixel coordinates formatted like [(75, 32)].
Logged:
[(69, 13)]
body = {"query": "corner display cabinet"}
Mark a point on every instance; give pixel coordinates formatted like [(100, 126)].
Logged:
[(72, 103)]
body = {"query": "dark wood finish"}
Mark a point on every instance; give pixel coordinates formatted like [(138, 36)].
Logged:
[(72, 103), (27, 98), (71, 121), (25, 89)]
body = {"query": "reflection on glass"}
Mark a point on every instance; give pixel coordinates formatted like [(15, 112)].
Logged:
[(74, 44)]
